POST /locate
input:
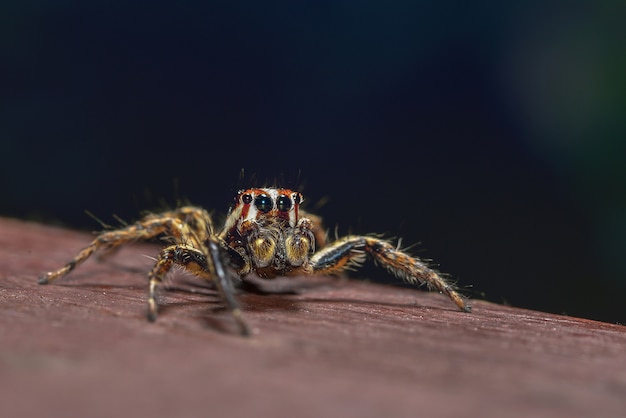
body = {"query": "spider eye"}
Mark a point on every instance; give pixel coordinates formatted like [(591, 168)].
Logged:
[(297, 198), (263, 203), (283, 203), (246, 198)]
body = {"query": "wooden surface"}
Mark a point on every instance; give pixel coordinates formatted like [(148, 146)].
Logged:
[(321, 347)]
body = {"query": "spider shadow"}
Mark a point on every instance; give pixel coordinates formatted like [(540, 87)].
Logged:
[(263, 300), (377, 303), (86, 281), (253, 294)]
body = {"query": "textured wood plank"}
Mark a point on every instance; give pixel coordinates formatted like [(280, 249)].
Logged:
[(321, 347)]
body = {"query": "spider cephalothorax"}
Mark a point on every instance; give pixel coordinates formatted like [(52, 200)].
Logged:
[(265, 233), (265, 228)]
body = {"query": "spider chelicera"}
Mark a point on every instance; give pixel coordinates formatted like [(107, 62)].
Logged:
[(265, 233)]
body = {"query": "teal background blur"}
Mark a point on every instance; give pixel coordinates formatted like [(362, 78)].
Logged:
[(493, 133)]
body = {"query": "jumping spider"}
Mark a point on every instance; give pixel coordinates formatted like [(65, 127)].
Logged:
[(265, 232)]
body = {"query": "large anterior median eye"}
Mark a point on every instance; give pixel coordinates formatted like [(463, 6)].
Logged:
[(283, 203), (263, 203)]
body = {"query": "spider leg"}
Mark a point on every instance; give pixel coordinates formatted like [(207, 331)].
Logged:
[(351, 250), (224, 279), (187, 224), (209, 266)]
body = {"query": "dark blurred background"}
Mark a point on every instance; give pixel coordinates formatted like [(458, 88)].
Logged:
[(492, 133)]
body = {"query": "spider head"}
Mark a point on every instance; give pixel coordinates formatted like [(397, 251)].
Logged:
[(267, 205)]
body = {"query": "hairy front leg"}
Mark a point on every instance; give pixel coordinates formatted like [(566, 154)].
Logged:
[(207, 263), (352, 250), (189, 258), (186, 225)]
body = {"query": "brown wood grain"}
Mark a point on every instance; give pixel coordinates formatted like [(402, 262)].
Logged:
[(321, 347)]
